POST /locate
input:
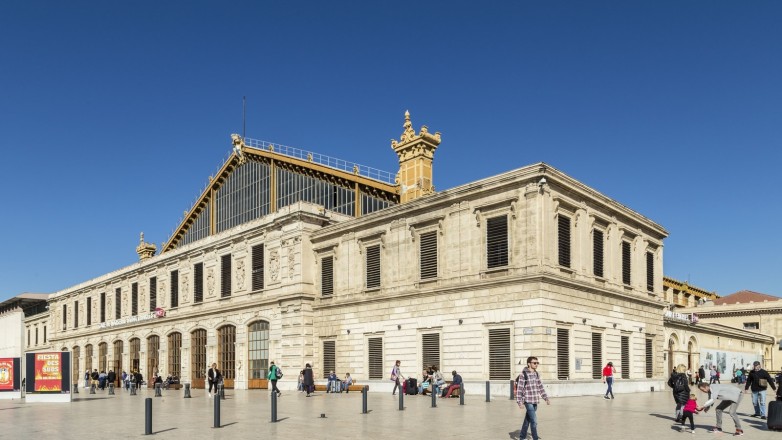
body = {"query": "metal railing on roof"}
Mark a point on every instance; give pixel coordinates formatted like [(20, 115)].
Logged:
[(339, 164)]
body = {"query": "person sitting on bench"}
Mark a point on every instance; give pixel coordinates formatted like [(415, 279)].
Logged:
[(455, 384)]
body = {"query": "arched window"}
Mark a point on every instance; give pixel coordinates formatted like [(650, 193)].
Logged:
[(76, 359), (153, 358), (135, 357), (175, 354), (258, 352), (103, 354), (116, 364), (226, 353), (198, 357), (88, 357)]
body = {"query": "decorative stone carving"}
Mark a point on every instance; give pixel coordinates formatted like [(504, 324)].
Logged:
[(291, 261), (274, 265), (125, 301), (185, 288), (142, 297), (162, 293), (210, 281), (240, 274)]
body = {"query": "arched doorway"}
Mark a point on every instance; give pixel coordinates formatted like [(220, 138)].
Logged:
[(116, 364), (153, 360), (226, 353), (135, 357), (88, 357), (258, 354), (103, 357), (175, 354), (671, 350), (198, 358), (77, 373)]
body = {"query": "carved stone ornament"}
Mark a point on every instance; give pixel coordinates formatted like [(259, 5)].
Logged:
[(240, 274), (161, 299), (210, 281), (81, 308), (185, 288), (291, 261), (142, 297), (274, 265), (125, 301)]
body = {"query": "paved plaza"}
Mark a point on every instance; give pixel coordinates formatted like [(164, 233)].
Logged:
[(247, 414)]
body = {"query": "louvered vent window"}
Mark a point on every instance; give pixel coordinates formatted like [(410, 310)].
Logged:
[(597, 355), (626, 262), (134, 299), (563, 354), (152, 294), (327, 276), (64, 321), (75, 314), (89, 314), (430, 349), (563, 236), (375, 358), (649, 358), (118, 303), (597, 252), (103, 307), (174, 288), (650, 272), (497, 241), (198, 282), (373, 266), (625, 357), (329, 358), (257, 267), (499, 354), (428, 249), (225, 276)]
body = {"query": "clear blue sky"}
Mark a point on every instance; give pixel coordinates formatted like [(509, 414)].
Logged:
[(113, 114)]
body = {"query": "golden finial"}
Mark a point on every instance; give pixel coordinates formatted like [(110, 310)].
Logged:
[(141, 240)]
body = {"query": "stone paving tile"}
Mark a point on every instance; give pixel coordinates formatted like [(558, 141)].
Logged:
[(246, 414)]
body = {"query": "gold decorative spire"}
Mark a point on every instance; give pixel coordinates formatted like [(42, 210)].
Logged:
[(145, 250), (416, 153)]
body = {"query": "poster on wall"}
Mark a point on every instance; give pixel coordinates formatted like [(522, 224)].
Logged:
[(727, 361), (7, 374), (48, 372)]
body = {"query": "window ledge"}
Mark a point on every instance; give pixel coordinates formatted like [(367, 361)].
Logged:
[(566, 269), (372, 289), (495, 272)]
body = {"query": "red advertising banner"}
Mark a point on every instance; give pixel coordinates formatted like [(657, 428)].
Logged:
[(6, 374), (48, 371)]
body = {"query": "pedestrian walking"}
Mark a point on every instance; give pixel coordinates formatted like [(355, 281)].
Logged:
[(726, 397), (758, 382), (701, 374), (396, 375), (529, 392), (680, 389), (214, 377), (608, 379), (274, 375), (308, 380)]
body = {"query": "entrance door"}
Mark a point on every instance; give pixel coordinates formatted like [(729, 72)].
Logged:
[(198, 358)]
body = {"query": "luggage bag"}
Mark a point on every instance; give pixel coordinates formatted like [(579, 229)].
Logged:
[(775, 415), (411, 386)]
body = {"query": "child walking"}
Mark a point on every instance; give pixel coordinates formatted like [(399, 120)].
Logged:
[(690, 408)]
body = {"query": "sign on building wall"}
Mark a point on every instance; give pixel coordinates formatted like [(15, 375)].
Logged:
[(727, 361), (48, 372), (9, 374)]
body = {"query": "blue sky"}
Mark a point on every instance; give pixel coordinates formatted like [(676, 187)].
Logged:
[(113, 114)]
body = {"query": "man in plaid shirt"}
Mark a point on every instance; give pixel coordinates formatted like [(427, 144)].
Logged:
[(529, 391)]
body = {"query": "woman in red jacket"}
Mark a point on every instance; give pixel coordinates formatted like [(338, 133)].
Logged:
[(608, 378)]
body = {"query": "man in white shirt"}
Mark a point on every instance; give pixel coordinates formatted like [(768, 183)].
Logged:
[(729, 396)]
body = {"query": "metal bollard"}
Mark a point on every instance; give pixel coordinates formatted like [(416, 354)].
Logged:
[(148, 416), (222, 391), (401, 400), (461, 393), (187, 391), (217, 413), (92, 389), (434, 396), (158, 390), (76, 388), (133, 389), (111, 389), (274, 407), (488, 392), (364, 392), (511, 390)]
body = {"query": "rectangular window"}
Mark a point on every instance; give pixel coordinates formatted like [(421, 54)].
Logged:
[(650, 272), (28, 336), (327, 276), (649, 359), (499, 354), (563, 240), (198, 282), (134, 299), (597, 355), (225, 276), (751, 326), (597, 253), (75, 314), (152, 294), (430, 349), (497, 242), (64, 320), (563, 354), (118, 303), (625, 357), (36, 335), (257, 274), (44, 334), (89, 314), (373, 266), (103, 307), (375, 360), (428, 255), (174, 288), (329, 357), (626, 262)]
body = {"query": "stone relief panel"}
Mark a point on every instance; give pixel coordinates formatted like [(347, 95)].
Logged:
[(142, 297), (185, 288), (274, 265), (240, 274), (210, 281), (162, 293), (125, 301)]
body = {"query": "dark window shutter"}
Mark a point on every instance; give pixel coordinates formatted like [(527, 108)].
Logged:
[(597, 252), (198, 282), (327, 276), (625, 357), (257, 275), (103, 307), (75, 317), (329, 357), (597, 355), (152, 294), (373, 266), (225, 276), (497, 241), (174, 288), (428, 256), (649, 359), (375, 351), (118, 303), (563, 354), (430, 349), (626, 263), (89, 315), (563, 231), (650, 272), (134, 299), (499, 354)]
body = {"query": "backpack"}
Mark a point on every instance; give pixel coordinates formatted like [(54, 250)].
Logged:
[(279, 373), (680, 383)]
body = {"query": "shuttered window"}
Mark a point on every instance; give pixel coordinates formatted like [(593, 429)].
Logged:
[(597, 252), (430, 349), (625, 352), (225, 276), (650, 272), (563, 354), (499, 354), (626, 263), (152, 294), (329, 358), (198, 282), (597, 355), (257, 275), (75, 314), (428, 249), (375, 360), (89, 315), (327, 276), (103, 307), (373, 266), (649, 358), (117, 303), (174, 288), (134, 299), (497, 241), (563, 239)]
